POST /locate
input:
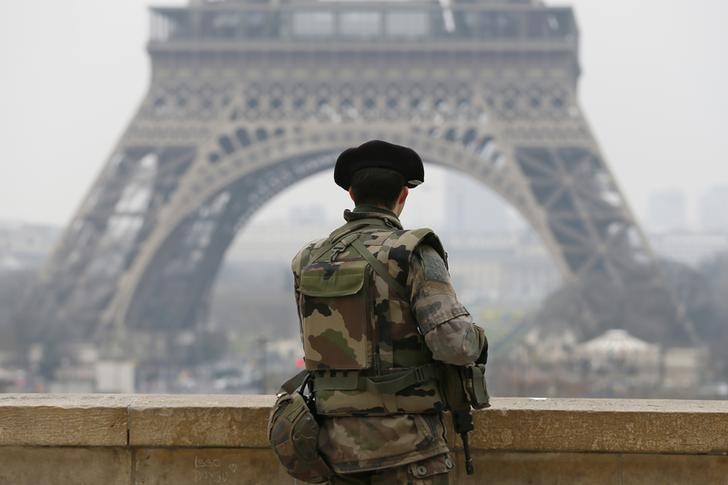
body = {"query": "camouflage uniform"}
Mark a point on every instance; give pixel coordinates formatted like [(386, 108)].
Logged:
[(387, 444)]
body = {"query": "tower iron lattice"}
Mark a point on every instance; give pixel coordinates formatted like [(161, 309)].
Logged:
[(246, 98)]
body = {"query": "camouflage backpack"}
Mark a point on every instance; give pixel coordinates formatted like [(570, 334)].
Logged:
[(361, 341)]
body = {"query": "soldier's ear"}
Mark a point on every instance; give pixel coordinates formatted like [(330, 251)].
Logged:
[(403, 195), (351, 194)]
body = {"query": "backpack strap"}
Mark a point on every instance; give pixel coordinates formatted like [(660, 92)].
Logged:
[(380, 269), (304, 256), (407, 239), (337, 241), (295, 382)]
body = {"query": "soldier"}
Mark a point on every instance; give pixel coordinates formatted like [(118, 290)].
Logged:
[(378, 314)]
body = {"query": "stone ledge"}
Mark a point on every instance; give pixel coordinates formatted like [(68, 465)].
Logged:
[(195, 421), (213, 466), (224, 421), (60, 420), (606, 426)]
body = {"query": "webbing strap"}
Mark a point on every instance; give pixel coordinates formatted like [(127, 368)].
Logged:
[(384, 384), (416, 375), (350, 227), (334, 239), (315, 256), (294, 382), (379, 268)]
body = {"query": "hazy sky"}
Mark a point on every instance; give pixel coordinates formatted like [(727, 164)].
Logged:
[(73, 73)]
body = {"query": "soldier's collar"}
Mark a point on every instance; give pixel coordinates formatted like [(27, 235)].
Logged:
[(365, 211)]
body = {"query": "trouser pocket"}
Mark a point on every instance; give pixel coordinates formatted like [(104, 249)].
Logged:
[(432, 471)]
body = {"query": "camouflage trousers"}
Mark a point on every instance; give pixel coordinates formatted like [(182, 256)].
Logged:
[(432, 471)]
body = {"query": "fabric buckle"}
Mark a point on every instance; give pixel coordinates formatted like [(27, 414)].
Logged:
[(335, 253), (342, 244), (420, 374)]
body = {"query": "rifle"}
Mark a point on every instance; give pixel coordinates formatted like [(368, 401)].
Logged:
[(463, 422), (464, 389)]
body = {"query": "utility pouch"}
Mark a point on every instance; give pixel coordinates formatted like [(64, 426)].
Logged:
[(293, 433), (474, 382), (335, 308), (464, 387)]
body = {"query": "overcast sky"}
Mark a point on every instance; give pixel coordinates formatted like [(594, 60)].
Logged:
[(73, 73)]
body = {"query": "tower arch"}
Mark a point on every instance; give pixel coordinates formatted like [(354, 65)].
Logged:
[(208, 215)]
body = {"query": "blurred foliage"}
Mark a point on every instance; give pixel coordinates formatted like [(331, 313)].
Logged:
[(596, 306)]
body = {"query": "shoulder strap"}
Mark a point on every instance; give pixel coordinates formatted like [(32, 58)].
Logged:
[(350, 227), (400, 248), (413, 238), (409, 239), (379, 268), (304, 256), (295, 382), (431, 239), (335, 238)]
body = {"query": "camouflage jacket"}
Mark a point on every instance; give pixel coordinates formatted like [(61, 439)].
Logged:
[(432, 320)]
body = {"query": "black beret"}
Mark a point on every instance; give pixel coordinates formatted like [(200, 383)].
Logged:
[(379, 154)]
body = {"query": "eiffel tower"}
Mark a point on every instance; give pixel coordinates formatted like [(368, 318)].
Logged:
[(248, 97)]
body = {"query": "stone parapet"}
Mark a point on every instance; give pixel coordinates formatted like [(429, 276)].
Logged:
[(193, 439)]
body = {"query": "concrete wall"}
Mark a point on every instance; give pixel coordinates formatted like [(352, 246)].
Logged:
[(177, 440)]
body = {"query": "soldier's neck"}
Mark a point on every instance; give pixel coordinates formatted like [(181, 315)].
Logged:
[(367, 211), (373, 208)]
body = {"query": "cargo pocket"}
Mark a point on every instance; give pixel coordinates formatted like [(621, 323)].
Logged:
[(432, 471), (425, 432)]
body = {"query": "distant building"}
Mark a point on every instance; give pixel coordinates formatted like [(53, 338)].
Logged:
[(277, 241), (472, 208), (114, 376), (690, 248), (714, 210), (504, 269), (617, 363), (616, 346), (25, 245), (666, 211), (684, 367)]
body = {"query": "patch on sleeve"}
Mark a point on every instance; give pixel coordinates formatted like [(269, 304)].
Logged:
[(436, 309), (433, 265)]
